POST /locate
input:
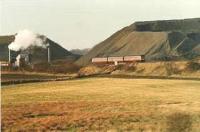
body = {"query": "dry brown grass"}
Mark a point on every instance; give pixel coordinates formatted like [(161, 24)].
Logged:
[(59, 66), (99, 104), (15, 76), (74, 115), (179, 122), (170, 68)]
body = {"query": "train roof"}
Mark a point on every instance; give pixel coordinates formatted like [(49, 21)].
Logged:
[(118, 56)]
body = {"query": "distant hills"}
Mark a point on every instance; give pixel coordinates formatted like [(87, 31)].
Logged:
[(38, 54), (80, 51), (157, 40)]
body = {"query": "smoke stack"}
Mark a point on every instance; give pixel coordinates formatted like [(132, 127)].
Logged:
[(49, 54), (9, 55)]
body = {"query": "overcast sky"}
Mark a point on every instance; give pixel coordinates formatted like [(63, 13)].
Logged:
[(84, 23)]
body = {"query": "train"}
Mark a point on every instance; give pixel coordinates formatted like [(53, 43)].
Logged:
[(118, 59)]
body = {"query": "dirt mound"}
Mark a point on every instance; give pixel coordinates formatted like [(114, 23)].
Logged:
[(89, 70), (158, 40), (157, 69), (96, 70), (171, 68)]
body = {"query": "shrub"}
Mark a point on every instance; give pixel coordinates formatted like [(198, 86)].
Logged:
[(64, 68), (193, 66), (171, 69), (41, 67), (179, 122), (56, 67), (90, 70), (130, 68), (127, 67)]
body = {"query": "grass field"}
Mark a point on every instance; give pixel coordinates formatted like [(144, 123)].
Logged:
[(102, 104), (11, 77)]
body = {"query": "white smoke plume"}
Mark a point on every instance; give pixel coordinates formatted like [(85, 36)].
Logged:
[(25, 39)]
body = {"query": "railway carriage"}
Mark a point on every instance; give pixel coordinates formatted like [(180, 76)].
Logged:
[(134, 58), (118, 59), (100, 60)]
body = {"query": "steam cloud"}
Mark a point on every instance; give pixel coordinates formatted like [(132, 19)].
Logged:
[(25, 39)]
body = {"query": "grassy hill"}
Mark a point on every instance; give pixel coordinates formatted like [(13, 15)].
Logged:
[(157, 40)]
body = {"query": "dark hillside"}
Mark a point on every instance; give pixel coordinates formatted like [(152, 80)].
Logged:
[(39, 54), (185, 25), (4, 42)]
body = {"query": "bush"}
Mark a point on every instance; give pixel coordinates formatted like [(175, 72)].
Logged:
[(127, 67), (90, 70), (56, 67), (171, 69), (193, 66), (41, 67), (130, 67), (179, 122), (65, 68)]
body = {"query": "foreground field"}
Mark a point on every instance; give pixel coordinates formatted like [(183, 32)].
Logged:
[(105, 104)]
